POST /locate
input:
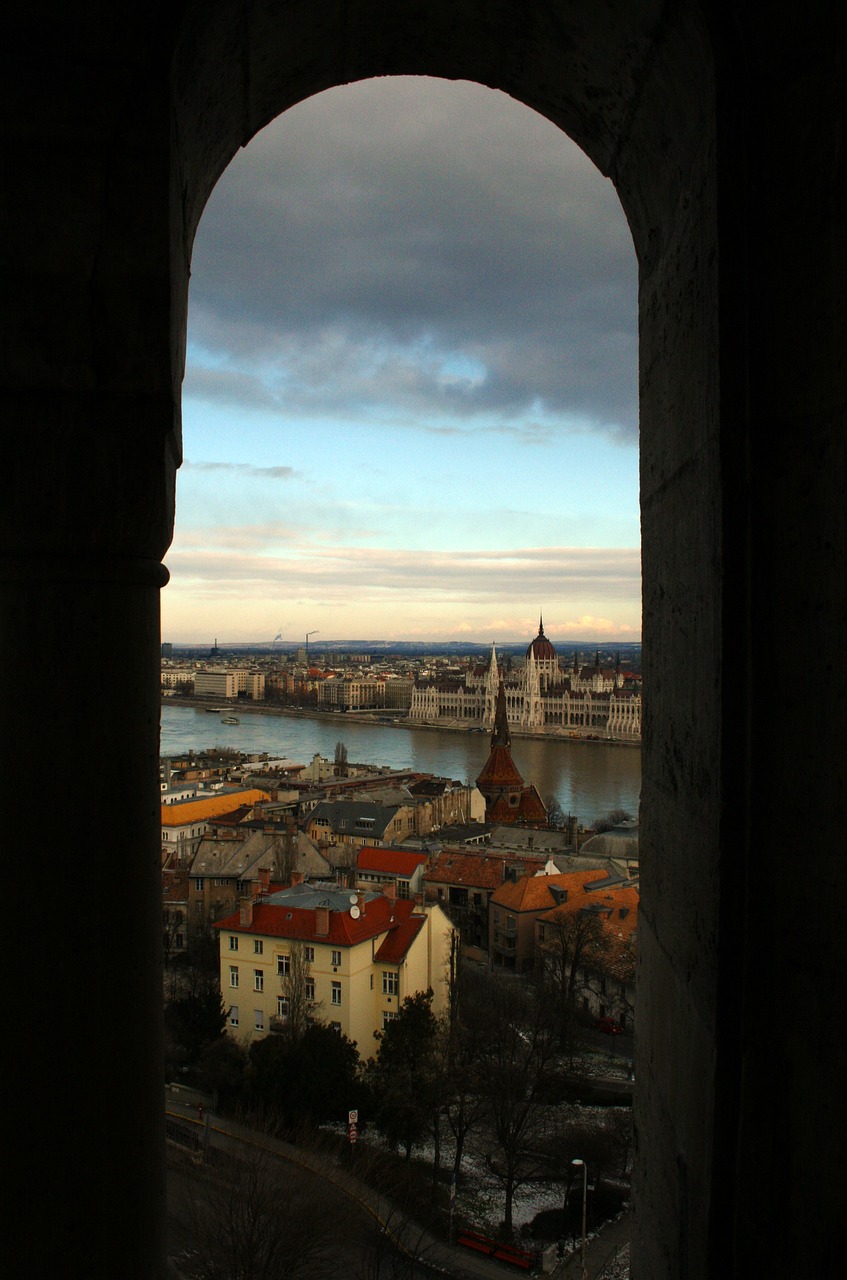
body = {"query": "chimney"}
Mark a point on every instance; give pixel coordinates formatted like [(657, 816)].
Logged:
[(322, 922), (296, 878), (245, 906), (264, 879), (390, 890), (361, 900)]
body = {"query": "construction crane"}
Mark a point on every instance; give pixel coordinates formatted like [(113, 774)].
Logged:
[(309, 633)]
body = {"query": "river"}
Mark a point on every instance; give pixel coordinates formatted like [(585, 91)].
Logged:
[(589, 779)]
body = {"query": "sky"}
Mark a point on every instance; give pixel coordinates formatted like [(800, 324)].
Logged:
[(410, 400)]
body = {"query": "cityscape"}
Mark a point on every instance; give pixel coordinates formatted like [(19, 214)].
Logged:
[(386, 906)]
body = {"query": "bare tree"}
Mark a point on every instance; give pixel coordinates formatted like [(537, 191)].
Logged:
[(574, 945), (264, 1219), (515, 1057), (285, 852), (340, 760), (298, 991)]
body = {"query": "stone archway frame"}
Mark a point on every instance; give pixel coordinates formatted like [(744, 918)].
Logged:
[(632, 85)]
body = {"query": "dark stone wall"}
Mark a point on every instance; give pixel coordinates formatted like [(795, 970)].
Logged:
[(724, 133)]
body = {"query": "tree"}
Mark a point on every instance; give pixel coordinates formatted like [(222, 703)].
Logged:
[(574, 940), (173, 932), (310, 1080), (285, 850), (221, 1068), (464, 1096), (556, 816), (194, 1016), (612, 819), (404, 1075), (340, 760), (297, 990), (515, 1056), (263, 1219)]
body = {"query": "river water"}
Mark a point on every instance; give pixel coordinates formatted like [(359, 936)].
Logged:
[(589, 779)]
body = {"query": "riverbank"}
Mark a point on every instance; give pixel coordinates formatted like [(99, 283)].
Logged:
[(379, 719)]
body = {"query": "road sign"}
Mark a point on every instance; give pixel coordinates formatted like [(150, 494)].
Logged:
[(353, 1132), (352, 1117)]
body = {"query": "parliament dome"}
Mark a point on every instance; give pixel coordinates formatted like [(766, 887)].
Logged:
[(541, 649)]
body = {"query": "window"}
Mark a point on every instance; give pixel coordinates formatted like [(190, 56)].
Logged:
[(233, 942), (310, 990), (259, 1021), (258, 980), (390, 982), (258, 946), (283, 1007), (336, 958), (336, 1026), (233, 1015), (309, 954), (200, 884), (403, 888), (283, 966), (233, 975), (388, 1015), (336, 993)]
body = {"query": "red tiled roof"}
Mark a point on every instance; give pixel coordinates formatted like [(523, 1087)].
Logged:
[(500, 769), (396, 944), (285, 921), (474, 870), (390, 861)]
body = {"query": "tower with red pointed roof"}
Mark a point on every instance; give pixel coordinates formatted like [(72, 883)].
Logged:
[(507, 799)]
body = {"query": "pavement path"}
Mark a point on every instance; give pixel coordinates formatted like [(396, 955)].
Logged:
[(600, 1252)]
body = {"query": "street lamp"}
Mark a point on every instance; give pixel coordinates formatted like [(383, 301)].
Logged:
[(580, 1164)]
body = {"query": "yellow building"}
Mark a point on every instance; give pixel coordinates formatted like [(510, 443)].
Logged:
[(358, 955)]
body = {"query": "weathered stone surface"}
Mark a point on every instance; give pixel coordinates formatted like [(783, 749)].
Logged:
[(723, 130)]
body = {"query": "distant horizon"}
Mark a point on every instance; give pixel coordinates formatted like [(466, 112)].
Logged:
[(383, 642)]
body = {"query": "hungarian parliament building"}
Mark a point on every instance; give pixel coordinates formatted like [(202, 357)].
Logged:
[(542, 696)]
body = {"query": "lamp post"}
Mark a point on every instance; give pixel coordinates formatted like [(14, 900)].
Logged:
[(577, 1164)]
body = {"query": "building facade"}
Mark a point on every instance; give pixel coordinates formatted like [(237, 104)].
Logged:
[(543, 696), (356, 956)]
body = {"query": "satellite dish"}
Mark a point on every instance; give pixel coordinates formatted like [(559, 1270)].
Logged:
[(354, 898), (355, 913)]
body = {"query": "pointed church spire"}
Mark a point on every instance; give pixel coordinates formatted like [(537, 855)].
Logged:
[(500, 736)]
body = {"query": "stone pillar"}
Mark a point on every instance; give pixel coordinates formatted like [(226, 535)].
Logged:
[(90, 414)]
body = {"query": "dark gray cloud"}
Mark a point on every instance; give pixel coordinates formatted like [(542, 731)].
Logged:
[(421, 248)]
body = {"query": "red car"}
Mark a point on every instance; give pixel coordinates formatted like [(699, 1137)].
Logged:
[(608, 1026)]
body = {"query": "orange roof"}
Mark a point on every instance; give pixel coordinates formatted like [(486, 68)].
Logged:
[(533, 893), (201, 809), (617, 911)]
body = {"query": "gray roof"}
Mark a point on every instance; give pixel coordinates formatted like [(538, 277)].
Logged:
[(358, 816)]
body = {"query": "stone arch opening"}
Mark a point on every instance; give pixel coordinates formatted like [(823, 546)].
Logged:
[(724, 136), (444, 198), (616, 98)]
